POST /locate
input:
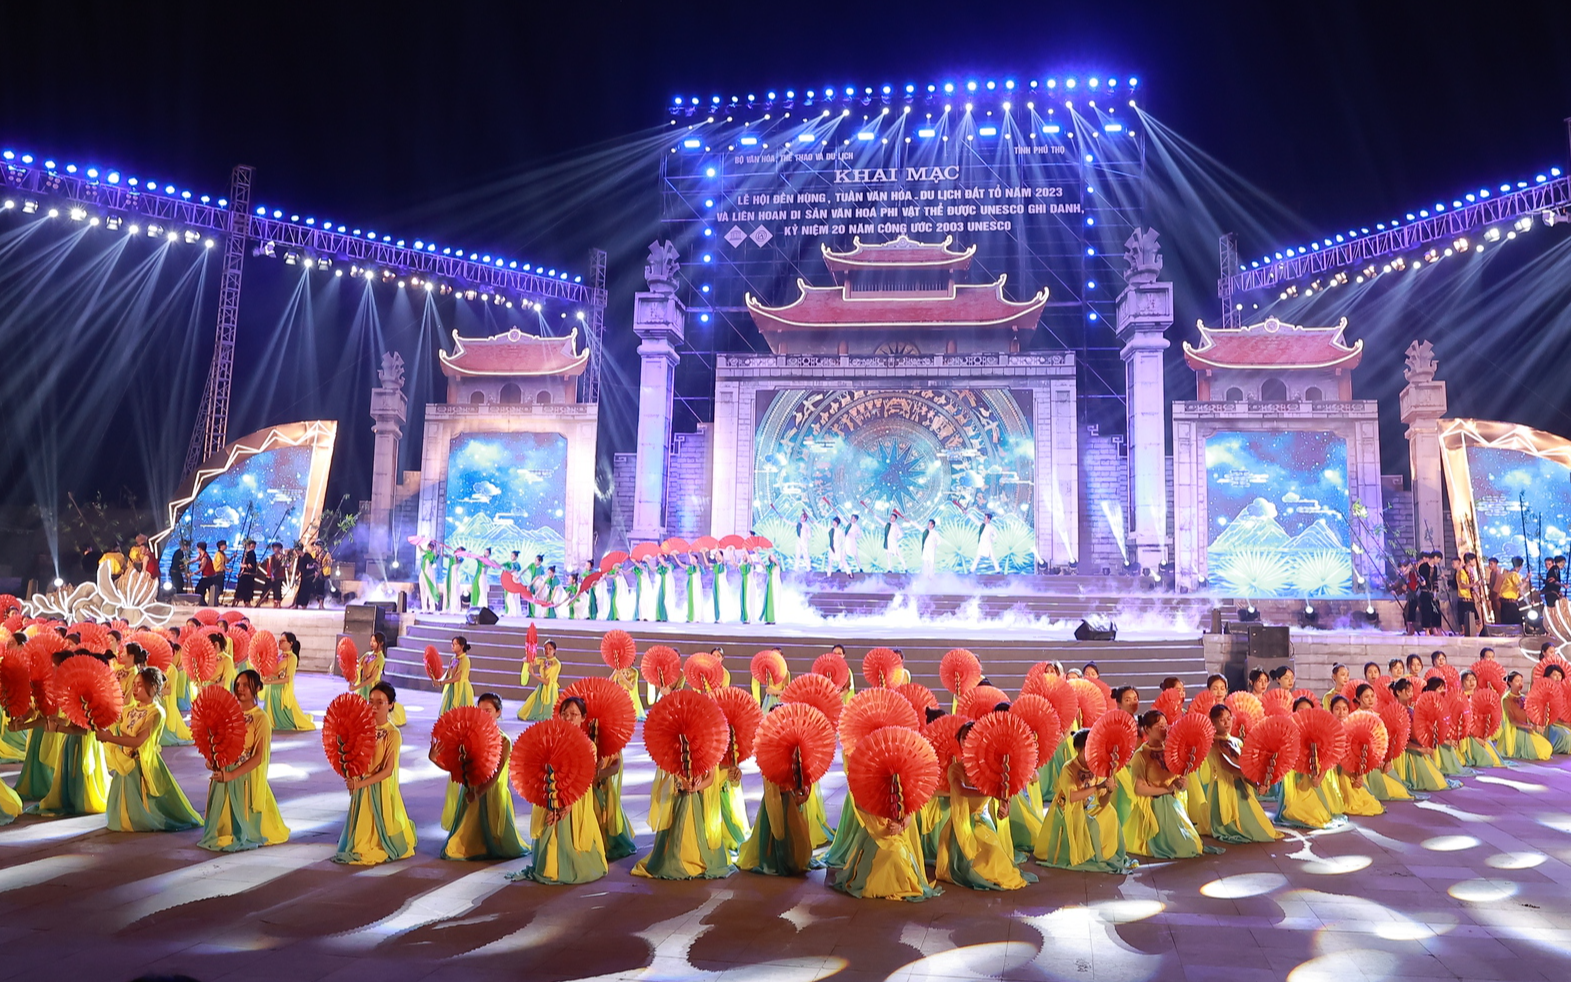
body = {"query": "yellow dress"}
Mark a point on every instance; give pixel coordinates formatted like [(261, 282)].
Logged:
[(1516, 743), (692, 845), (781, 843), (568, 852), (378, 829), (10, 804), (1233, 812), (458, 692), (1355, 801), (881, 864), (627, 678), (1160, 827), (13, 743), (541, 704), (1081, 835), (226, 667), (662, 797), (1303, 804), (486, 827), (733, 813), (283, 709), (368, 679), (974, 850), (125, 675), (81, 784), (143, 795), (243, 814)]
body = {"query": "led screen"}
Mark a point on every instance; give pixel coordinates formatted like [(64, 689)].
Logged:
[(1503, 482), (951, 456), (1277, 508), (506, 491), (262, 497)]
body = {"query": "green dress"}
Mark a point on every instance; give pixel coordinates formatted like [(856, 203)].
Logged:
[(638, 593), (38, 764), (283, 708), (567, 852), (615, 830), (81, 784), (244, 814), (781, 843), (719, 574), (143, 795), (486, 828), (378, 829), (692, 845), (1083, 836), (550, 597), (747, 574), (694, 587), (1235, 812), (771, 580)]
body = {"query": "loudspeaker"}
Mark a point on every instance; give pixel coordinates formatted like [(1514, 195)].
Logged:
[(193, 599), (1097, 628), (1269, 642), (480, 615)]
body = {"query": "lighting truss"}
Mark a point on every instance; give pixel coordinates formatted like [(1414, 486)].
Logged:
[(1552, 195)]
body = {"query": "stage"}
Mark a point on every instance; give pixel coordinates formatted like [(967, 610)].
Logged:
[(1470, 884)]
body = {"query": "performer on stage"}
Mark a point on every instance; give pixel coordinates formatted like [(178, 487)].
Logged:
[(372, 664), (143, 795), (456, 690), (894, 557), (378, 829), (250, 569), (852, 555), (429, 560), (541, 703), (984, 544), (771, 588), (453, 591), (693, 599), (1519, 738), (804, 539), (283, 708), (81, 778), (974, 850), (177, 567), (510, 601), (534, 576), (483, 823), (480, 585), (1159, 825), (837, 552), (568, 846), (929, 547), (1235, 812), (718, 588), (745, 571), (241, 811)]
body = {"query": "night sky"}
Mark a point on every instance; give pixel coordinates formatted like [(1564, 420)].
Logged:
[(499, 127)]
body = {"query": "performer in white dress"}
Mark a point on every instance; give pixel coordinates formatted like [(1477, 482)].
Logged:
[(804, 536), (853, 546), (837, 547), (929, 547), (894, 559), (984, 545)]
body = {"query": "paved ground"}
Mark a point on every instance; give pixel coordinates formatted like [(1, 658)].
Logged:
[(1473, 884)]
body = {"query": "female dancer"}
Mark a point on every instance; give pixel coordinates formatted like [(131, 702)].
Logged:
[(241, 811), (483, 822), (1417, 768), (225, 651), (1305, 803), (456, 690), (616, 832), (1519, 738), (973, 849), (1158, 824), (781, 843), (1477, 752), (283, 709), (692, 843), (378, 830), (372, 664), (627, 678), (566, 852), (42, 756), (1082, 831), (1382, 783), (1235, 812), (1353, 796), (542, 702), (1558, 735), (81, 782), (143, 795)]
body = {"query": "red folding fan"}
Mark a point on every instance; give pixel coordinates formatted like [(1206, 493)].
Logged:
[(832, 665), (349, 734), (795, 746), (1271, 750), (1188, 742), (609, 716), (1000, 755), (874, 709), (817, 691), (618, 650), (553, 764), (468, 745), (743, 717), (893, 773), (685, 734), (959, 670), (882, 666), (218, 726), (1111, 744), (661, 666)]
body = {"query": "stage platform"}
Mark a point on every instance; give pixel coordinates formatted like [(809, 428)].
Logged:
[(1006, 652)]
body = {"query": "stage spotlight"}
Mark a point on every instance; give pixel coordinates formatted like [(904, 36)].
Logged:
[(291, 258), (1371, 615), (192, 236), (78, 214), (207, 244), (1525, 223), (174, 237), (1309, 616), (113, 222), (154, 230), (1248, 614), (133, 229), (54, 213), (323, 263), (8, 205), (59, 582)]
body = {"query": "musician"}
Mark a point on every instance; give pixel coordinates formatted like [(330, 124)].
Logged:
[(273, 570), (245, 582), (177, 567), (307, 572)]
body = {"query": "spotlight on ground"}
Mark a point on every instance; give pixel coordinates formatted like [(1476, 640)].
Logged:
[(1371, 615), (1309, 616), (1097, 627), (1248, 614)]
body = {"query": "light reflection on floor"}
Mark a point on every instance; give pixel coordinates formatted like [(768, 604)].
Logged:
[(1470, 881)]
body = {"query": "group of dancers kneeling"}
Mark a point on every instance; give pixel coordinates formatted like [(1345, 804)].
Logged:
[(1069, 771)]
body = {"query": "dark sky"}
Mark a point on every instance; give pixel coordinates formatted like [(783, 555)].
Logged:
[(444, 120)]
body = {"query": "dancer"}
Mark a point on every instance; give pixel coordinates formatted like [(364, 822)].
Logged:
[(984, 544), (930, 547), (1081, 831), (571, 851), (241, 811), (143, 795), (480, 585), (456, 690), (283, 708), (1417, 767), (771, 588), (804, 536), (484, 826), (1479, 751), (511, 605), (974, 850), (541, 703), (372, 664), (1519, 738), (1351, 792), (378, 829), (894, 556), (1159, 825), (453, 584), (1305, 802), (428, 559), (42, 755), (836, 562), (81, 779), (1235, 812)]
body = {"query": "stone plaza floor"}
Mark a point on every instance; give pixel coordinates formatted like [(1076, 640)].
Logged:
[(1473, 884)]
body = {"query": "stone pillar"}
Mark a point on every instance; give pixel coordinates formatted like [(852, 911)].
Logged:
[(1423, 404), (389, 409), (658, 320), (1145, 311)]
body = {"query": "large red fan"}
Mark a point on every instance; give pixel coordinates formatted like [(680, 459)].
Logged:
[(1451, 677), (1247, 712), (1039, 714), (979, 700), (832, 665), (1053, 688), (467, 745), (661, 666), (618, 650), (1271, 750), (1383, 695), (85, 689), (1170, 703), (208, 616), (795, 746), (348, 661), (1111, 743), (95, 637), (768, 667), (531, 643), (232, 617), (1429, 720), (1542, 666), (434, 669), (1202, 703), (240, 640), (1459, 716), (1366, 743), (9, 605), (349, 734), (199, 659), (1092, 704), (264, 654), (1188, 742), (40, 654), (1487, 712), (743, 717), (882, 667), (893, 773), (959, 670), (685, 734), (1000, 755), (704, 672), (1277, 702), (1491, 674), (1309, 694), (919, 696), (16, 684), (1541, 704), (874, 709), (1398, 726), (159, 654), (1322, 740), (940, 733), (817, 691), (609, 715), (553, 764), (218, 726)]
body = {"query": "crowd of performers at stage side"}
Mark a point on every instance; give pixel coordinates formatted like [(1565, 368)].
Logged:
[(259, 575), (1461, 595), (979, 789)]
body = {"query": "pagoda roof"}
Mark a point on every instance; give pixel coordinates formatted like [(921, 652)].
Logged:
[(515, 353), (898, 253), (1273, 344)]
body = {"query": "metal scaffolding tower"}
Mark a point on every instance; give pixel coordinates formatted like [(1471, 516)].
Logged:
[(594, 319), (212, 419)]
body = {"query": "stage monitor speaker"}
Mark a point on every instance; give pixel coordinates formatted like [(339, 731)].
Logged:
[(192, 599), (1097, 628), (480, 615), (1270, 642)]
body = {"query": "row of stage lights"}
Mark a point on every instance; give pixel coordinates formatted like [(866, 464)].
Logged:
[(115, 178), (1440, 207), (866, 95), (76, 213)]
